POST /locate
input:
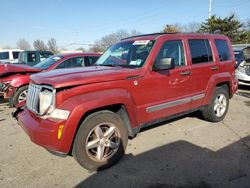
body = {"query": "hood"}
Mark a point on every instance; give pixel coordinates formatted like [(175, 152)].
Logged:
[(9, 69), (78, 76)]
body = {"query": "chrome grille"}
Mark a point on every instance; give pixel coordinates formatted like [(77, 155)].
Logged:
[(33, 97)]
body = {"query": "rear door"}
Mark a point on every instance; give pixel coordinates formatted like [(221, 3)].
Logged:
[(203, 66)]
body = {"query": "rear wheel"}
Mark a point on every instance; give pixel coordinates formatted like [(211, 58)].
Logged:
[(218, 107), (100, 141), (20, 95)]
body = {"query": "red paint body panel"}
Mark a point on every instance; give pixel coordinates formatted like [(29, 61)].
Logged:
[(41, 132), (16, 68), (139, 90)]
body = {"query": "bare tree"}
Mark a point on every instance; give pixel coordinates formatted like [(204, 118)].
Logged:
[(108, 40), (39, 45), (23, 44), (172, 28), (53, 46), (7, 47), (191, 27), (177, 27), (96, 48), (81, 49)]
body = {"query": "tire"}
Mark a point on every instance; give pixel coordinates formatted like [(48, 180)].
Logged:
[(20, 95), (107, 137), (218, 107)]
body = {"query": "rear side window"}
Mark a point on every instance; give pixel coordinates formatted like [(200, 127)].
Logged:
[(200, 51), (222, 49), (15, 55), (4, 55), (90, 60), (71, 63)]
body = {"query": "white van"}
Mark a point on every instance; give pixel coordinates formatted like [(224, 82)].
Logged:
[(9, 55)]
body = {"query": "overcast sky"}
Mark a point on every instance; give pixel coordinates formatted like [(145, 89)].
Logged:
[(85, 21)]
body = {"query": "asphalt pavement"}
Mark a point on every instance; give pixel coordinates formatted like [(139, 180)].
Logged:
[(185, 152)]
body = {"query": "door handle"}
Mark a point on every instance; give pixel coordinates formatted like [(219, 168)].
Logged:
[(214, 68), (185, 73)]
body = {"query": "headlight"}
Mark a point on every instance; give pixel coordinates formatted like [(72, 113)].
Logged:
[(242, 64), (241, 67), (46, 101)]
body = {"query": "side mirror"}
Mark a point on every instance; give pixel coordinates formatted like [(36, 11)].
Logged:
[(164, 64)]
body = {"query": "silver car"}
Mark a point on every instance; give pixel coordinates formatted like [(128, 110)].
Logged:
[(242, 72)]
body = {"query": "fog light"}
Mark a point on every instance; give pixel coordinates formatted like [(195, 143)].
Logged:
[(59, 134)]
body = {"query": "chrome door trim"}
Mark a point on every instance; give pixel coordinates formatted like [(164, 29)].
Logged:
[(174, 103)]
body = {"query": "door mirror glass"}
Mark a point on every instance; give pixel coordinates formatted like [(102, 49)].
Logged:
[(165, 64)]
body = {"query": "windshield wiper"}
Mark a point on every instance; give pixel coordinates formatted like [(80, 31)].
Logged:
[(110, 65)]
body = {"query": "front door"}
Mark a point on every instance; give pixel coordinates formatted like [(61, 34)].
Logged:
[(168, 91)]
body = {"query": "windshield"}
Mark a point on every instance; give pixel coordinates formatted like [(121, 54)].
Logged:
[(45, 64), (132, 54)]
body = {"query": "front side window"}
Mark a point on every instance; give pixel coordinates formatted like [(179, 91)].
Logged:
[(130, 54), (172, 49), (200, 51), (222, 49), (4, 55)]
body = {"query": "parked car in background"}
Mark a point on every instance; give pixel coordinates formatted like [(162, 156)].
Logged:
[(14, 79), (9, 55), (31, 58), (242, 72), (140, 81)]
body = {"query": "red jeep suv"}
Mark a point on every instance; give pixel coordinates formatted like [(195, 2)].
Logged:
[(14, 78), (90, 112)]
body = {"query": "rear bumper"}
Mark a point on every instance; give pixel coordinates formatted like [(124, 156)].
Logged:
[(42, 132)]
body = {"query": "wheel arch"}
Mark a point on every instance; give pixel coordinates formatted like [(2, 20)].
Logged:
[(118, 108), (220, 80)]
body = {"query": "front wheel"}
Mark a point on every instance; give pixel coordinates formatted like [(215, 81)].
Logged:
[(218, 107), (100, 141), (20, 95)]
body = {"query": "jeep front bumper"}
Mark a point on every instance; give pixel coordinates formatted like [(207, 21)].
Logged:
[(43, 132)]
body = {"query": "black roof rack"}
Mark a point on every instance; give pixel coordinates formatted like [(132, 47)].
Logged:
[(148, 35)]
